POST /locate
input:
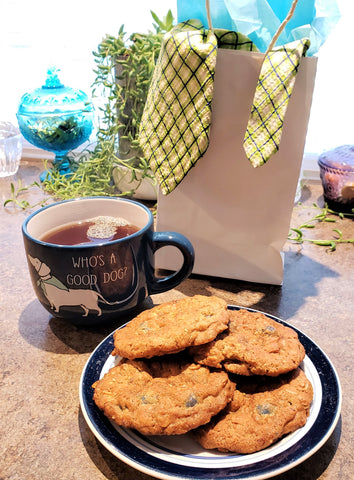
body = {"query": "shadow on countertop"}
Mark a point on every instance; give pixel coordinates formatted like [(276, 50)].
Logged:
[(302, 276), (55, 335)]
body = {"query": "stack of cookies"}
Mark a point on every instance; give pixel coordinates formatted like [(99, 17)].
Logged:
[(229, 377)]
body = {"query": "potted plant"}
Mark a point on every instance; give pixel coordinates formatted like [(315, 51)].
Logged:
[(124, 67), (115, 164)]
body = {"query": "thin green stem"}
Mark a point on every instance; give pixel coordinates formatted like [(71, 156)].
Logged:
[(325, 214)]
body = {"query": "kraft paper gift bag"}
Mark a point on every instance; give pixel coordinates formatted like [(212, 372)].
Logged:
[(224, 130), (238, 216)]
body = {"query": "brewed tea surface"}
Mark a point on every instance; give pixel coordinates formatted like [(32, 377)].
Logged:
[(92, 231)]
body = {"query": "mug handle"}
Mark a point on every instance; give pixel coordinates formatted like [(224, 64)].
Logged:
[(163, 239)]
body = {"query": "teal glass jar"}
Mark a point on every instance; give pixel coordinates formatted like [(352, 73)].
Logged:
[(56, 118)]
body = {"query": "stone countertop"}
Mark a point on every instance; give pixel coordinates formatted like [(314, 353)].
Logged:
[(43, 431)]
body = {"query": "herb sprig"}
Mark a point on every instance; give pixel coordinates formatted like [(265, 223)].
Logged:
[(296, 234), (22, 203)]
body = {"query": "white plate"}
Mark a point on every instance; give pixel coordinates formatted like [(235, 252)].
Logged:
[(172, 457)]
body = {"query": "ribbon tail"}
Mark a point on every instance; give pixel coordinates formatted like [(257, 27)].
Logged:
[(274, 88)]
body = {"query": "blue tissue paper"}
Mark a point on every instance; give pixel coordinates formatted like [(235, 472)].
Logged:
[(188, 9), (259, 19)]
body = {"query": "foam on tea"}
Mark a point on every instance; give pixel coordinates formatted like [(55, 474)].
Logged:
[(105, 227), (92, 231)]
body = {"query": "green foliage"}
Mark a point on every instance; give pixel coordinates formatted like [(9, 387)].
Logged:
[(17, 201), (123, 67)]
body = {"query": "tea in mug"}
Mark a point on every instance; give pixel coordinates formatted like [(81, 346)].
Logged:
[(90, 232)]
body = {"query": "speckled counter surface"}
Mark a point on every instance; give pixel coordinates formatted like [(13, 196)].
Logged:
[(43, 432)]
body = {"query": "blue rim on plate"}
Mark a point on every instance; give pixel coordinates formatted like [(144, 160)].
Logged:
[(173, 461)]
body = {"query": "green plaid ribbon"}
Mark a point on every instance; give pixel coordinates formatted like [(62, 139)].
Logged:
[(273, 91), (174, 130)]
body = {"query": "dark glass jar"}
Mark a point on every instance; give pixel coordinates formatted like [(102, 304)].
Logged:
[(337, 176)]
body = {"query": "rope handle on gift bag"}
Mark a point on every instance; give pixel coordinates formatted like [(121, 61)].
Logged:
[(281, 26), (264, 130), (207, 6)]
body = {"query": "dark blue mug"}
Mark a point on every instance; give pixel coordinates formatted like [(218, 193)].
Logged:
[(88, 284)]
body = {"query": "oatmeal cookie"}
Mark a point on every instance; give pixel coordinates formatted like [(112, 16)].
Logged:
[(253, 344), (259, 415), (162, 397), (172, 327)]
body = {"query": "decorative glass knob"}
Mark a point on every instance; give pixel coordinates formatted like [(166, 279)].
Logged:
[(56, 118)]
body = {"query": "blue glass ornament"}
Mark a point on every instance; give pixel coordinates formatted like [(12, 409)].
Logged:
[(57, 119)]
